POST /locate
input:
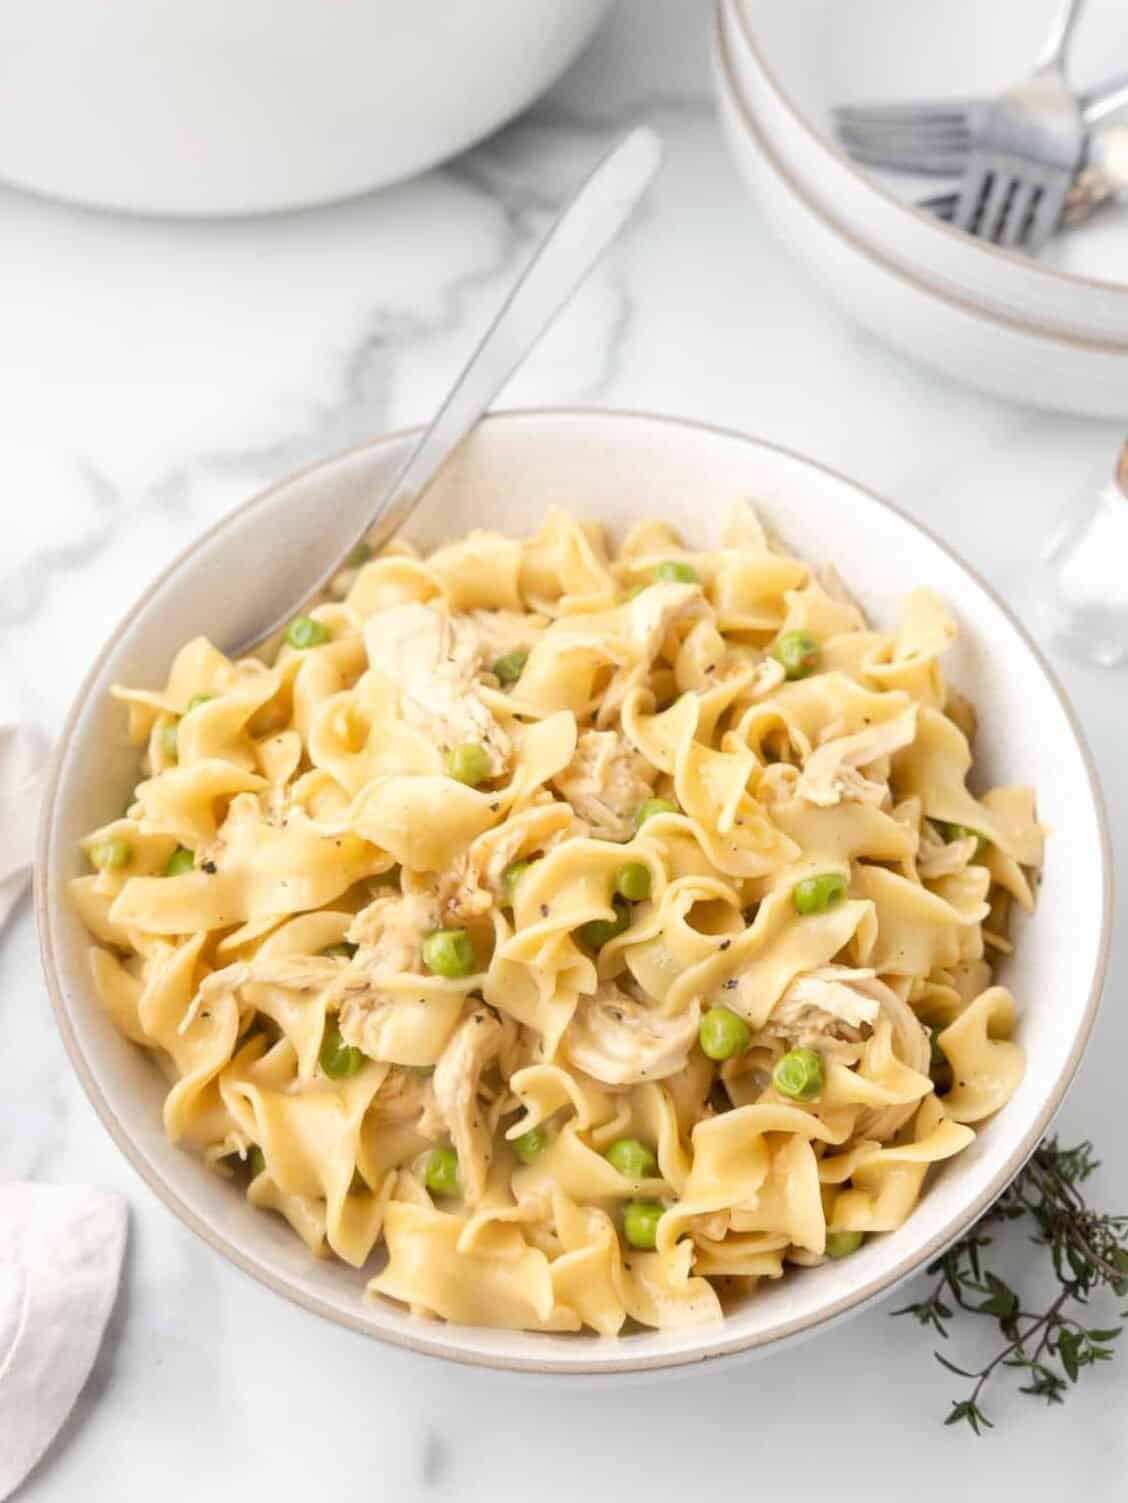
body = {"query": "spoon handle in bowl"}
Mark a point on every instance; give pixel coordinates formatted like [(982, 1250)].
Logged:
[(584, 230)]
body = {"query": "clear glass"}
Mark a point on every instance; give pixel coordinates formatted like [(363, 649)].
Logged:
[(1083, 597)]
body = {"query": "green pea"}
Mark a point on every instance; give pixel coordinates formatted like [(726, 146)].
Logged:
[(799, 652), (111, 855), (799, 1074), (360, 554), (723, 1033), (182, 860), (634, 1160), (197, 700), (677, 570), (469, 763), (640, 1222), (816, 894), (441, 1172), (256, 1161), (304, 631), (338, 1059), (598, 932), (633, 882), (651, 807), (952, 832), (510, 666), (342, 950), (449, 952), (530, 1143), (170, 741), (512, 875), (842, 1244)]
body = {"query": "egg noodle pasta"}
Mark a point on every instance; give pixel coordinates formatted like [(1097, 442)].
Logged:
[(569, 937)]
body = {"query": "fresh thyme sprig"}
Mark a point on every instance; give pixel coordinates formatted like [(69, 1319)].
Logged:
[(1088, 1251)]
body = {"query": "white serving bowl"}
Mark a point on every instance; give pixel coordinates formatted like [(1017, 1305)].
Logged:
[(792, 62), (238, 106), (997, 352), (615, 467)]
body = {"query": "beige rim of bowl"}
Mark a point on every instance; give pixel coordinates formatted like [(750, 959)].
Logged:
[(733, 1346), (832, 149), (903, 274)]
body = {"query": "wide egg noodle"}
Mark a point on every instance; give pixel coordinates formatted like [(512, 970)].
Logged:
[(282, 970)]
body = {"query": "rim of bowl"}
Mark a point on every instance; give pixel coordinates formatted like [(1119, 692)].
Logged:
[(831, 147), (905, 274), (716, 1346)]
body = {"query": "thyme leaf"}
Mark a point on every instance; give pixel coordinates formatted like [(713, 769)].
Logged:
[(1087, 1252)]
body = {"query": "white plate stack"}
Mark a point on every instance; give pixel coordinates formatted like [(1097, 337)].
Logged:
[(1051, 331)]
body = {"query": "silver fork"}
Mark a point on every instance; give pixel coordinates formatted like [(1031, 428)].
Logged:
[(934, 137), (1026, 153), (930, 136)]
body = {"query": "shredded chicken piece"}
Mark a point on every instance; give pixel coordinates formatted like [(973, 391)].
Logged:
[(777, 783), (650, 615), (298, 973), (832, 772), (407, 1096), (654, 610), (217, 985), (769, 675), (605, 782), (832, 1009), (391, 930), (473, 1046), (620, 1041), (464, 894), (390, 933), (941, 858), (435, 664), (498, 632), (476, 878), (473, 885), (833, 990)]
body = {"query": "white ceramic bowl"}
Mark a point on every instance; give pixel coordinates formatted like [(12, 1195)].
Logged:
[(614, 467), (237, 106), (792, 61), (997, 352)]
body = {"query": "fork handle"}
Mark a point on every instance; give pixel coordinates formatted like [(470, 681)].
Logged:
[(1098, 104), (1055, 49)]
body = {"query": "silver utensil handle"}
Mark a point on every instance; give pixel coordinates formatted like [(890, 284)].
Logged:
[(1056, 47), (580, 236), (585, 229), (1097, 104)]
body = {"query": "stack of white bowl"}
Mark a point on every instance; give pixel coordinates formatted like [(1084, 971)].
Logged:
[(1051, 331)]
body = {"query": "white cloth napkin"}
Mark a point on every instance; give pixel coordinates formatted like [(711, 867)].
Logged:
[(23, 760), (60, 1245), (61, 1248)]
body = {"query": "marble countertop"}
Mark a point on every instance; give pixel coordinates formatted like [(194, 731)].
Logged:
[(151, 375)]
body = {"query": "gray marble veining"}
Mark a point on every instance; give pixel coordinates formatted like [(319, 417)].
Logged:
[(152, 375)]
